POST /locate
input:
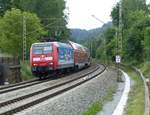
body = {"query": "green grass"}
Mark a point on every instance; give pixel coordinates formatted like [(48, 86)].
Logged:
[(145, 68), (135, 104), (26, 71), (97, 106)]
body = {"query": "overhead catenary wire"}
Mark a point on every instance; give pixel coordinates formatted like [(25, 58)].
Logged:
[(120, 29), (24, 38), (25, 34), (43, 26), (105, 55)]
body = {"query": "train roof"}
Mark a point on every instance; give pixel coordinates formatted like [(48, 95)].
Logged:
[(57, 44), (71, 44), (41, 43)]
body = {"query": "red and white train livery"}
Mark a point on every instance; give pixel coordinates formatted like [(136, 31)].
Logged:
[(48, 57)]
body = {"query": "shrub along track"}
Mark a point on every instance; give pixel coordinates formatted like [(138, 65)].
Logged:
[(26, 101)]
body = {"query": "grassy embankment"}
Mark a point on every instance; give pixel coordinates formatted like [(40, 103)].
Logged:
[(135, 103), (145, 68), (97, 106), (26, 71)]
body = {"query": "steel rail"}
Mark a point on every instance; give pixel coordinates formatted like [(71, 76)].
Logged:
[(25, 106), (17, 84), (45, 89), (22, 85)]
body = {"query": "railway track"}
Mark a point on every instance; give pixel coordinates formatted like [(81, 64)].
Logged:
[(17, 84), (20, 103), (21, 85)]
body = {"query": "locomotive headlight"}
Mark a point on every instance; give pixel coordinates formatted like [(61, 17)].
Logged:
[(51, 63), (36, 59), (48, 58)]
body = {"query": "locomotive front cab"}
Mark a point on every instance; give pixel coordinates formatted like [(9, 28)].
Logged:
[(42, 58)]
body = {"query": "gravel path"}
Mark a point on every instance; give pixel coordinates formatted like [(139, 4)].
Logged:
[(77, 100), (109, 107)]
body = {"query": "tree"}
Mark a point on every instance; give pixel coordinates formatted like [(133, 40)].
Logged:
[(4, 5), (129, 6), (100, 53), (110, 43), (109, 34), (147, 42), (115, 15), (11, 31), (106, 50), (134, 16), (133, 48), (111, 50), (51, 13)]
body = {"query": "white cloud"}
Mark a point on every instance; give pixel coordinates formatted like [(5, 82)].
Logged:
[(81, 11), (148, 1)]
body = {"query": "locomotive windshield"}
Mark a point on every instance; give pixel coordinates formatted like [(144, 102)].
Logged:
[(42, 49)]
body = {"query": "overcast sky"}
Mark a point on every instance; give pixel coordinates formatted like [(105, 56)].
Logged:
[(80, 12)]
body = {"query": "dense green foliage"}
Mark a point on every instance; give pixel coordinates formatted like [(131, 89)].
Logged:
[(145, 67), (11, 25), (4, 6), (115, 15), (81, 35), (106, 48), (135, 28), (51, 13), (147, 43), (135, 33), (44, 18), (26, 73), (135, 20)]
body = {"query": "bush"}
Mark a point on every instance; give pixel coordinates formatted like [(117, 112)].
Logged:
[(26, 71), (146, 69)]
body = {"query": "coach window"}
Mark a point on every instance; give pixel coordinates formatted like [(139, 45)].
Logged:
[(47, 49), (37, 50)]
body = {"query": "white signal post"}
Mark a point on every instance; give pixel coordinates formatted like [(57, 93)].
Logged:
[(118, 59)]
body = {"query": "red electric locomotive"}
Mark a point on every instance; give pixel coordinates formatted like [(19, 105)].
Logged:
[(48, 57)]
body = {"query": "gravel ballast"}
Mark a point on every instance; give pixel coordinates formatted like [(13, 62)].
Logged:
[(21, 92), (77, 100)]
